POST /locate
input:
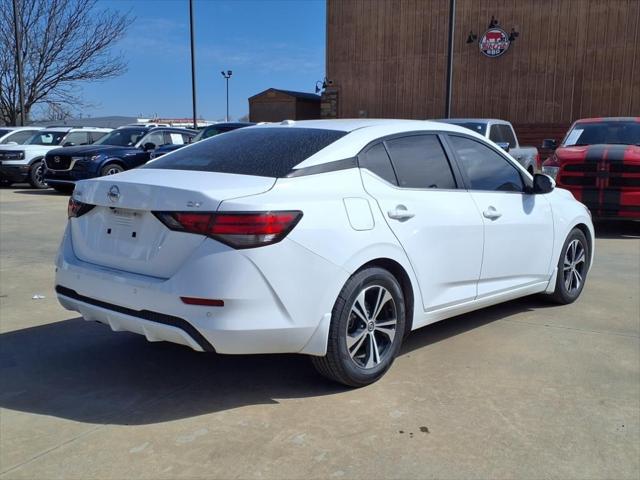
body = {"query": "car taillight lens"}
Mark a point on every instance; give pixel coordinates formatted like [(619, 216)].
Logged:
[(76, 209), (238, 230)]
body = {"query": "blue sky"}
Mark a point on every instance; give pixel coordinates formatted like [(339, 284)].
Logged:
[(267, 43)]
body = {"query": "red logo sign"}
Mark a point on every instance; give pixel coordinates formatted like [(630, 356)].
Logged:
[(494, 42)]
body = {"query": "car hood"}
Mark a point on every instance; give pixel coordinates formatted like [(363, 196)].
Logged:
[(89, 150), (587, 153)]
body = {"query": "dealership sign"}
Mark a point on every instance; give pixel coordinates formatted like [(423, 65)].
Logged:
[(494, 42)]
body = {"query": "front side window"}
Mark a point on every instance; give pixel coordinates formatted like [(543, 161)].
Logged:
[(485, 169), (123, 137), (420, 162), (264, 152), (496, 134), (508, 135)]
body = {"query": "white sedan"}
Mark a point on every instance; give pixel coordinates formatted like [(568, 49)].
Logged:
[(328, 238)]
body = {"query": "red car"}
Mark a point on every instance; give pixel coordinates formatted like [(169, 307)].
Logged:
[(599, 162)]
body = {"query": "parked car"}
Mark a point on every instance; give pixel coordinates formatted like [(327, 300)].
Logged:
[(206, 132), (501, 133), (328, 238), (123, 149), (24, 163), (17, 135), (599, 162)]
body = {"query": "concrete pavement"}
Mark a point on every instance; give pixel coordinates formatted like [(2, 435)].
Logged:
[(521, 390)]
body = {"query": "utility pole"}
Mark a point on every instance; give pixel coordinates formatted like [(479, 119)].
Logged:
[(227, 76), (452, 22), (193, 66), (18, 33)]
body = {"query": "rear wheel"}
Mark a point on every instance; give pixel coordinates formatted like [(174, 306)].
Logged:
[(573, 267), (36, 175), (111, 169), (367, 327)]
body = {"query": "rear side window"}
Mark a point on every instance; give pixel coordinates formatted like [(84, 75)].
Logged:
[(484, 168), (420, 162), (264, 152), (376, 160)]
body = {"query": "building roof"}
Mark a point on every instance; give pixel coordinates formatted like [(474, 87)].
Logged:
[(300, 95)]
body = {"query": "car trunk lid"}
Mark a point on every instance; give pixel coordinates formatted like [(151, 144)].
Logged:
[(122, 232)]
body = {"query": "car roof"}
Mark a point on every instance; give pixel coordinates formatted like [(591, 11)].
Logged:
[(173, 129), (361, 132), (471, 120), (608, 119), (230, 124), (26, 127)]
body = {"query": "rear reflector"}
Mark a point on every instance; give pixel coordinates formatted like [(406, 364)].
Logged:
[(207, 302), (236, 229), (76, 209)]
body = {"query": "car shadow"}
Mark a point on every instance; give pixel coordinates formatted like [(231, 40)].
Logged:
[(46, 191), (617, 229), (85, 372)]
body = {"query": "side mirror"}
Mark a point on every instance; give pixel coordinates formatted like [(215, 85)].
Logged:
[(543, 183), (149, 146), (504, 146), (68, 144), (549, 144)]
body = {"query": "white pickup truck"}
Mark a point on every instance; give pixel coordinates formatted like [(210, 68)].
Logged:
[(501, 133)]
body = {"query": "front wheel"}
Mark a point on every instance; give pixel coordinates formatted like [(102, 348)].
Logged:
[(36, 175), (111, 169), (367, 327), (573, 267)]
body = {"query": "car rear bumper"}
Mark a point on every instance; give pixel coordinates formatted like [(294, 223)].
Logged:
[(288, 314)]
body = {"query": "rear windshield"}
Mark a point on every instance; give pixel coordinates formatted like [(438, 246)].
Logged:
[(264, 152), (618, 132)]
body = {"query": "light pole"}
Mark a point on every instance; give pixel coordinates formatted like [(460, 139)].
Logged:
[(227, 76), (193, 67)]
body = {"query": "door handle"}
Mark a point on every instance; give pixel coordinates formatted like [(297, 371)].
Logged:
[(400, 213), (491, 213)]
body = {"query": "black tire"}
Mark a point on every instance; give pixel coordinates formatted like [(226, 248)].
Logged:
[(66, 189), (36, 175), (357, 366), (573, 266), (111, 169)]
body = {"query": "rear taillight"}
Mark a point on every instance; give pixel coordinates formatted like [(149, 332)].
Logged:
[(76, 209), (238, 230)]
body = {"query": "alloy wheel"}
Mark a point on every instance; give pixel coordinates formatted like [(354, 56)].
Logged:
[(575, 261), (371, 328), (38, 175)]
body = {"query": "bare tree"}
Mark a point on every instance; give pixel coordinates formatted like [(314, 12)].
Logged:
[(63, 42)]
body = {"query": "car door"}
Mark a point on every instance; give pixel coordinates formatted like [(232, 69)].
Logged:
[(437, 224), (518, 237)]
